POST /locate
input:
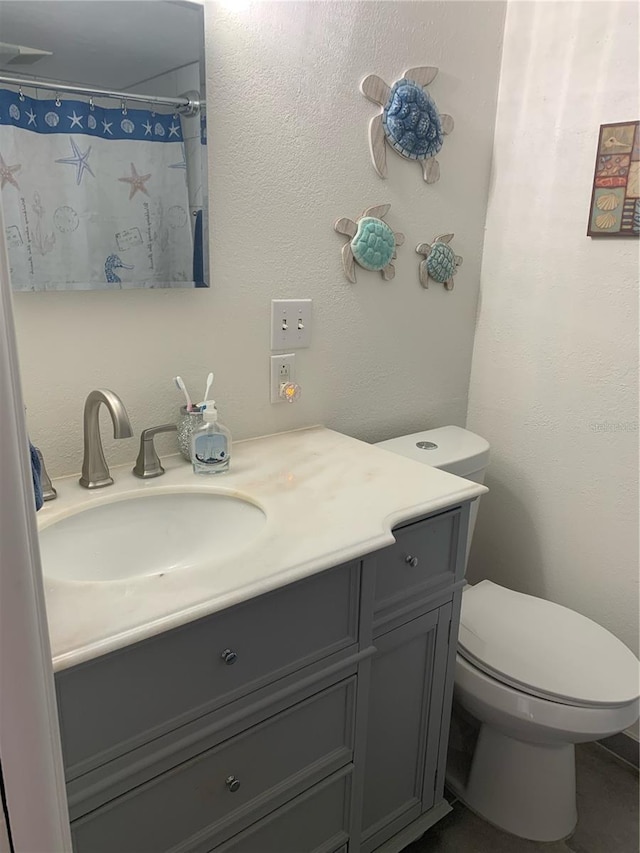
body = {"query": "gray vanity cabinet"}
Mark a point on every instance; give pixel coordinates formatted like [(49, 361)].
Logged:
[(113, 704), (405, 714), (312, 719)]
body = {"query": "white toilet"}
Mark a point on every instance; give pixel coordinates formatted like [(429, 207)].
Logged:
[(532, 679)]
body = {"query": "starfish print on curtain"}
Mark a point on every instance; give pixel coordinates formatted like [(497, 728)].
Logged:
[(6, 173), (80, 160), (136, 182)]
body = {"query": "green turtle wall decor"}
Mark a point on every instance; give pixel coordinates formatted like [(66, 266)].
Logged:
[(410, 121), (440, 263), (373, 244)]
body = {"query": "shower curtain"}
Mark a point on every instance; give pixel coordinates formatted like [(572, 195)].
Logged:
[(34, 793), (93, 197)]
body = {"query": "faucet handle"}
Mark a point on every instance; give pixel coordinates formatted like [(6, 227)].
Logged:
[(48, 491), (148, 462)]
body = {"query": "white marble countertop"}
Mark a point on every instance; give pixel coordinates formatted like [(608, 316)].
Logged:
[(328, 498)]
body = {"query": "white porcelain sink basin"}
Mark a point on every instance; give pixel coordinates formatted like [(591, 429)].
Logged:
[(148, 535)]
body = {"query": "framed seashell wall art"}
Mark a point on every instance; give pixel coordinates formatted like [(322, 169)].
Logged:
[(615, 198)]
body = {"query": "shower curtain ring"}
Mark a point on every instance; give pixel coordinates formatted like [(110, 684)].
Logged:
[(57, 101), (123, 105), (91, 104), (20, 93)]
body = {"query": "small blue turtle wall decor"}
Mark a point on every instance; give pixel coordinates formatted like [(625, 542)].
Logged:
[(409, 122), (440, 263), (372, 242)]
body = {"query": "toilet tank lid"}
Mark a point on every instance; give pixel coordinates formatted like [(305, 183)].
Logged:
[(545, 649), (457, 450)]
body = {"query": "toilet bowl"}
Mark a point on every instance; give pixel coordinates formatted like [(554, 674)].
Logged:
[(538, 678), (532, 679)]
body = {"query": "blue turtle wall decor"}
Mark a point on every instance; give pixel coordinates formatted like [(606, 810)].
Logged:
[(409, 122), (440, 263), (372, 242)]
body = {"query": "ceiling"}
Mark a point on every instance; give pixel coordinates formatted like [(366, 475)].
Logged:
[(111, 44)]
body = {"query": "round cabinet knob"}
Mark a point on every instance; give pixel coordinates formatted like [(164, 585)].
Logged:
[(229, 657), (411, 561), (232, 783)]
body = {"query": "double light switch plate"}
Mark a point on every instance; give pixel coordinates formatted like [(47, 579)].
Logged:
[(290, 323)]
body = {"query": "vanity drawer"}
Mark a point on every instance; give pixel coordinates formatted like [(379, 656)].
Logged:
[(315, 822), (195, 803), (422, 561), (117, 702)]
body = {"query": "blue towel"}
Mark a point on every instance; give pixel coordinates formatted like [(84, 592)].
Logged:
[(198, 252), (36, 470)]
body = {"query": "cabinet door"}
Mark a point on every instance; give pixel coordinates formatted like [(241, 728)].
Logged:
[(408, 675)]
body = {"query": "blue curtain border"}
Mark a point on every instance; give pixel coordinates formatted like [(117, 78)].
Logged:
[(77, 117)]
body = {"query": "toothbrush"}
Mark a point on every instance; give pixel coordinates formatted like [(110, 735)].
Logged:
[(209, 383), (180, 384)]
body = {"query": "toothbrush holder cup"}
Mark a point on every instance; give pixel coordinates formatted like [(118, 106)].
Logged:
[(188, 423)]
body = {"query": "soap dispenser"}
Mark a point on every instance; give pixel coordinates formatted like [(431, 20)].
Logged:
[(210, 443)]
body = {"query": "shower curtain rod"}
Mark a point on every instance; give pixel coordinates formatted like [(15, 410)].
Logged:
[(188, 105)]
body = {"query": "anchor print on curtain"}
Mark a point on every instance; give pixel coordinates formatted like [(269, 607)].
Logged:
[(92, 197)]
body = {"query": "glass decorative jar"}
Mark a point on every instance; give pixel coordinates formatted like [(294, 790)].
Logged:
[(187, 425)]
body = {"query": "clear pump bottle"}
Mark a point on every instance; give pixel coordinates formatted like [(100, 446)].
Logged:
[(211, 443)]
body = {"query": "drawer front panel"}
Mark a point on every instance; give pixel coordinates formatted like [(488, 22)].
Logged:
[(422, 561), (115, 703), (252, 773), (316, 822)]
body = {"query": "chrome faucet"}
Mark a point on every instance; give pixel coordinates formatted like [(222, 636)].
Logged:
[(95, 472)]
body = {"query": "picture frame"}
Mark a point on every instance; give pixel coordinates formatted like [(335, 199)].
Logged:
[(615, 197)]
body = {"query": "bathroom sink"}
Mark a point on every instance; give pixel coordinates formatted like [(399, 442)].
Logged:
[(148, 535)]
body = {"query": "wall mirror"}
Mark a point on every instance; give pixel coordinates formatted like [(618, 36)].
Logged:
[(103, 159)]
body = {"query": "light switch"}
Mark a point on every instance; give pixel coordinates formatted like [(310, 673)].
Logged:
[(290, 323)]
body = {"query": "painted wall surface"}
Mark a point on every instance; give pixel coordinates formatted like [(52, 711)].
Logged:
[(554, 384), (288, 140)]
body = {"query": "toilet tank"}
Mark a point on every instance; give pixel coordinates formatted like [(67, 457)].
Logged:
[(450, 448)]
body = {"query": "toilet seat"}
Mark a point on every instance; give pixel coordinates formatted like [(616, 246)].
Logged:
[(544, 649)]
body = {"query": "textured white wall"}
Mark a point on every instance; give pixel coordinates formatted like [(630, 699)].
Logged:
[(554, 383), (289, 155)]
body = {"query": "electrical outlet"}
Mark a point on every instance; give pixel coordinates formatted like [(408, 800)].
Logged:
[(282, 370), (290, 323)]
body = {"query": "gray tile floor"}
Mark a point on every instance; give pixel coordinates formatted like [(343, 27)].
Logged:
[(607, 816)]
